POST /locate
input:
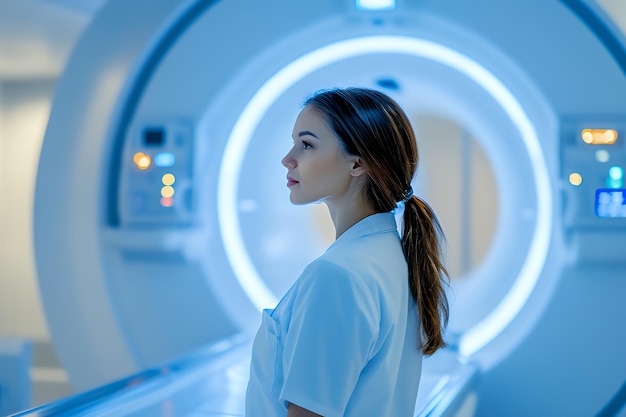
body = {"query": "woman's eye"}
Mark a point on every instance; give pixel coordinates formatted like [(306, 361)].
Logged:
[(306, 145)]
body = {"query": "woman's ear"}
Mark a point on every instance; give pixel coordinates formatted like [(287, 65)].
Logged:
[(357, 168)]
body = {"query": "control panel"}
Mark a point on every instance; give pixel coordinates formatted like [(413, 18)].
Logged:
[(157, 174), (593, 164)]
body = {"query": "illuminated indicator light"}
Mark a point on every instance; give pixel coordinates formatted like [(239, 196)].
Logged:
[(167, 191), (602, 155), (167, 201), (599, 136), (616, 173), (245, 272), (168, 179), (137, 157), (575, 179), (615, 178), (375, 4), (164, 159), (142, 160)]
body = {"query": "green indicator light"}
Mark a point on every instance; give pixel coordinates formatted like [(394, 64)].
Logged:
[(616, 173), (616, 177)]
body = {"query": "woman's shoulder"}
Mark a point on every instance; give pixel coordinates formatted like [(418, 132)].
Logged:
[(335, 272), (328, 267), (325, 276), (373, 250)]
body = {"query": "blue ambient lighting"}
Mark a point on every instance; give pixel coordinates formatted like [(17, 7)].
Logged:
[(375, 4), (483, 332), (164, 159)]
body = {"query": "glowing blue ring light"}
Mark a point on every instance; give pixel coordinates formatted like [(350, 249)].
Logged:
[(484, 331)]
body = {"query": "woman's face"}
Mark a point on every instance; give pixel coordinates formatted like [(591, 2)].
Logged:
[(318, 169)]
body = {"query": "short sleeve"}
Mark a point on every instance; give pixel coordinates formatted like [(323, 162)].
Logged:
[(334, 325)]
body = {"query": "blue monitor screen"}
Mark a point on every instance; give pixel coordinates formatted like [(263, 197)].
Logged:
[(611, 202)]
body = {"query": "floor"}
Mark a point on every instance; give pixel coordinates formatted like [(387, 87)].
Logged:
[(212, 383)]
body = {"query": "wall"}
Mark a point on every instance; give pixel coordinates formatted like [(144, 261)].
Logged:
[(617, 10), (24, 110)]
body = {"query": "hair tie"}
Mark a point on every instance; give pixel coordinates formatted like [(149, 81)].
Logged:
[(408, 194)]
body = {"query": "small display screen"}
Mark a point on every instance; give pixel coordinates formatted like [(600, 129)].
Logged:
[(611, 202), (154, 137)]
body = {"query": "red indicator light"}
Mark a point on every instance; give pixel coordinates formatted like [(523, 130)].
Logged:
[(167, 201)]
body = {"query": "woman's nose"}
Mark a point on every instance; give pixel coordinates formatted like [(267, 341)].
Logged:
[(288, 161)]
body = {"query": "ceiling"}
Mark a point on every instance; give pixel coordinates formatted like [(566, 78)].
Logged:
[(37, 36)]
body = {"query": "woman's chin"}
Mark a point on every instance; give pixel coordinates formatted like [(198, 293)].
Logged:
[(298, 200)]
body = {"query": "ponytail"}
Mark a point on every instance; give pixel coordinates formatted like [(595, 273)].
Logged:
[(420, 242), (370, 124)]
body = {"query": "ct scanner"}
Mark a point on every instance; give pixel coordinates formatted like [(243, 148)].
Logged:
[(162, 224)]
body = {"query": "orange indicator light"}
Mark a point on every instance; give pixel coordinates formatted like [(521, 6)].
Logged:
[(142, 160), (599, 136), (167, 201)]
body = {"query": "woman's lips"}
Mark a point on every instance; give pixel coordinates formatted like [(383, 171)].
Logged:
[(291, 181)]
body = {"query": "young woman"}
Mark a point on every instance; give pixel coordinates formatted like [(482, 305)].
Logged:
[(348, 338)]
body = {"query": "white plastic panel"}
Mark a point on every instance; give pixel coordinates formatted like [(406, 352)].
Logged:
[(157, 175)]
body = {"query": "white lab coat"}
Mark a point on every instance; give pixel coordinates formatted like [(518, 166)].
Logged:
[(343, 340)]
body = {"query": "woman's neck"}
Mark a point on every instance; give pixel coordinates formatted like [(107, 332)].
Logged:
[(347, 214)]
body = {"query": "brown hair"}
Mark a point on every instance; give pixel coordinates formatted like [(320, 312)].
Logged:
[(373, 126)]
